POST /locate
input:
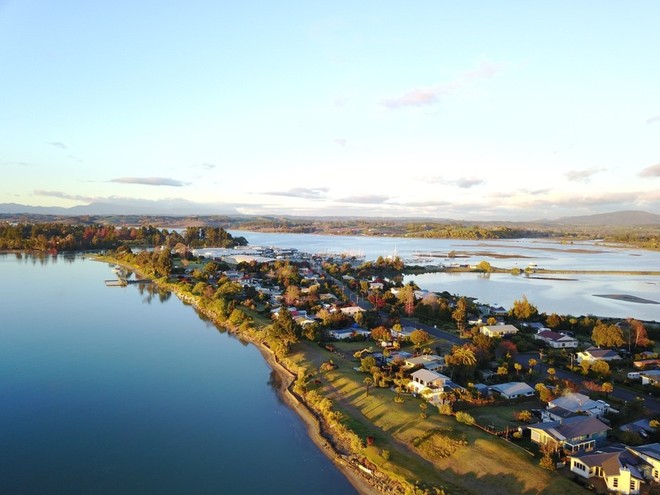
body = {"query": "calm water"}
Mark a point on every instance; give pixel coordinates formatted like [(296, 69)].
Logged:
[(576, 297), (118, 390)]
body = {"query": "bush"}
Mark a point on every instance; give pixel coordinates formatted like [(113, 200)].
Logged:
[(463, 417)]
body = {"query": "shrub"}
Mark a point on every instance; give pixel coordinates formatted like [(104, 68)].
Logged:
[(463, 417)]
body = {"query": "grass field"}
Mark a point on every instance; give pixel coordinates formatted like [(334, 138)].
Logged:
[(438, 449)]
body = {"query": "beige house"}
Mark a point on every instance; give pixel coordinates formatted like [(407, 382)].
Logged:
[(498, 330)]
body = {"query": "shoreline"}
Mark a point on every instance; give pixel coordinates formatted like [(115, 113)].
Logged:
[(314, 428), (287, 380)]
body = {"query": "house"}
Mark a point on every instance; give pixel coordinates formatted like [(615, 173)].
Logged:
[(650, 454), (576, 434), (430, 362), (498, 311), (617, 467), (650, 377), (556, 340), (573, 404), (349, 333), (352, 310), (643, 364), (595, 354), (498, 330), (513, 390), (425, 379)]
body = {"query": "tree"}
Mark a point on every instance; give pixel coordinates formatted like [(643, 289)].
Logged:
[(485, 267), (522, 309), (423, 406), (380, 334), (551, 374), (607, 388), (637, 336), (291, 294), (407, 296), (460, 314), (532, 362), (607, 335), (367, 363), (517, 367), (419, 337), (600, 367), (545, 395)]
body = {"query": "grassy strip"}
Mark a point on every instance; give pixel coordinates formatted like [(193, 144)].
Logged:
[(438, 449)]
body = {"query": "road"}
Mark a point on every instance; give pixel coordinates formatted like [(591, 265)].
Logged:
[(619, 392)]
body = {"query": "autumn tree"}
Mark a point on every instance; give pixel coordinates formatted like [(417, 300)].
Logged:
[(522, 309), (459, 314), (607, 335), (637, 336), (419, 337), (485, 267), (380, 334)]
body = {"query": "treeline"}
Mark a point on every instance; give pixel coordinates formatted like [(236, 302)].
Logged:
[(60, 237)]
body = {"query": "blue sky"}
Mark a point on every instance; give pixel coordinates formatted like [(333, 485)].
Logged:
[(482, 110)]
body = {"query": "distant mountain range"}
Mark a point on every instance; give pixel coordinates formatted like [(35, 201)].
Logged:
[(182, 208), (616, 218)]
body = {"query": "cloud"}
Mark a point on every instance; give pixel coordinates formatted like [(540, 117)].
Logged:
[(463, 182), (301, 192), (341, 142), (150, 181), (582, 175), (368, 199), (653, 119), (208, 166), (421, 97), (652, 171), (58, 144)]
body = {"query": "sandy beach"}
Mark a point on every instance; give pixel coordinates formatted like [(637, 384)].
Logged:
[(354, 476)]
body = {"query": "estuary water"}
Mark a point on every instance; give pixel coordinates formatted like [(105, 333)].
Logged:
[(575, 295), (111, 390)]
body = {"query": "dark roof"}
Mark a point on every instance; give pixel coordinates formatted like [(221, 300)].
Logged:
[(574, 427)]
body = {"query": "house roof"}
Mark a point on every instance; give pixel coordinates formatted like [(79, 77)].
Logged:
[(574, 427), (651, 374), (611, 459), (554, 336), (500, 328), (651, 450), (431, 358), (597, 353), (513, 388), (575, 402), (428, 376)]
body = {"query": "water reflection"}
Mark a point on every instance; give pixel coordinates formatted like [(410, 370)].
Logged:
[(150, 291)]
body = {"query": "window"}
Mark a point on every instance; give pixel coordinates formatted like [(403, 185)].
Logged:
[(632, 485), (615, 482)]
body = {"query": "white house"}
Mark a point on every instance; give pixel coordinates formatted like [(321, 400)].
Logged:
[(574, 403), (498, 330), (649, 453), (423, 379), (617, 467), (348, 333), (595, 354), (513, 390), (650, 377), (556, 340)]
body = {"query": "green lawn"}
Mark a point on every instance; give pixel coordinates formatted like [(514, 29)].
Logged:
[(486, 464)]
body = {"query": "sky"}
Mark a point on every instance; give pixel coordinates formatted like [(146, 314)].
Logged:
[(511, 110)]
